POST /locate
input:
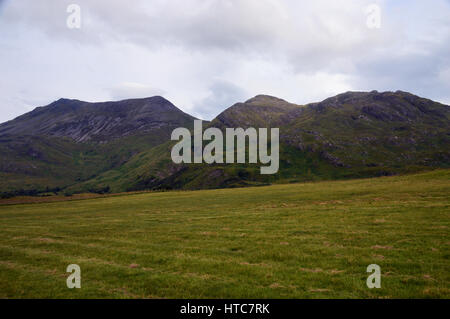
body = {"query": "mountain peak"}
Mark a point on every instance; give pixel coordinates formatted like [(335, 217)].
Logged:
[(262, 98), (259, 111), (154, 99), (63, 99)]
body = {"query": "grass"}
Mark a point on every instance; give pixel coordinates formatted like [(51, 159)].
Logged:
[(311, 240)]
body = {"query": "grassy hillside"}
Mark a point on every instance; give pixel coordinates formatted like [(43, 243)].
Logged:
[(282, 241), (154, 169), (36, 163), (31, 163)]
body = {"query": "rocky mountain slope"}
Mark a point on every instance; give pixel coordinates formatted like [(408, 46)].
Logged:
[(125, 145), (98, 122), (393, 129)]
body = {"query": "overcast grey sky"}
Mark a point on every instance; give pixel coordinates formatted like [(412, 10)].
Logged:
[(205, 55)]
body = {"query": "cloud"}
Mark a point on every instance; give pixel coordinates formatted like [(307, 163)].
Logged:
[(129, 90), (205, 55), (222, 94)]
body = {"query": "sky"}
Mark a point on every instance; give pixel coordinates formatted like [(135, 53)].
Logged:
[(206, 55)]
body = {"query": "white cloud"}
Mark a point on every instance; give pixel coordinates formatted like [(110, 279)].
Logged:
[(129, 90), (205, 54)]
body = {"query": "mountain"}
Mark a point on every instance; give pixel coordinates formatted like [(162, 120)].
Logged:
[(70, 141), (355, 134), (98, 122), (123, 146), (260, 111), (359, 129)]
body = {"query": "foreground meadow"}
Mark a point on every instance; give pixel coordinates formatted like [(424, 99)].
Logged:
[(312, 240)]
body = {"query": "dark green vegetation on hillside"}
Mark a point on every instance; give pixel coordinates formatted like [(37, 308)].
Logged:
[(281, 241), (72, 146)]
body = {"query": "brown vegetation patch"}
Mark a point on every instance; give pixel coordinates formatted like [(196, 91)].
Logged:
[(311, 270), (319, 290), (46, 240), (382, 247), (276, 285)]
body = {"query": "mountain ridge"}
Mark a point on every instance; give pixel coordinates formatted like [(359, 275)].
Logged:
[(350, 135), (101, 121)]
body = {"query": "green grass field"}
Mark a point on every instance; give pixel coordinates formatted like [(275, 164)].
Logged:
[(312, 240)]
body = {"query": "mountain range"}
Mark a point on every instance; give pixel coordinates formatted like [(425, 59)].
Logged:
[(71, 146)]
